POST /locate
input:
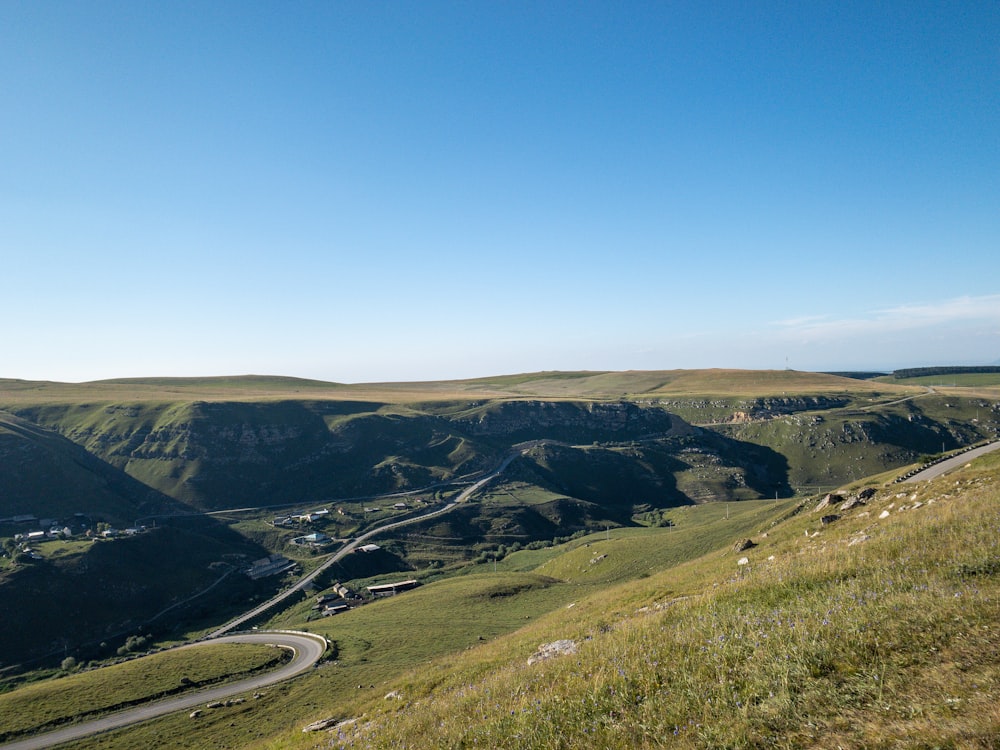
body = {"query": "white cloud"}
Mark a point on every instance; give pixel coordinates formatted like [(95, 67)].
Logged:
[(911, 317)]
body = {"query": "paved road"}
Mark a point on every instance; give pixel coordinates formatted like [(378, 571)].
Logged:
[(952, 463), (308, 649)]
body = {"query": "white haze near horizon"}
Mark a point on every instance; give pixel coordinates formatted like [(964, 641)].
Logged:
[(878, 340)]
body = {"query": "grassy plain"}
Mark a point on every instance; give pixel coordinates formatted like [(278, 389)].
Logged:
[(569, 385), (954, 380)]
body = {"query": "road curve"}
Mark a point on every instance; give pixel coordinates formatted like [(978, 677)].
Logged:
[(307, 647), (932, 472)]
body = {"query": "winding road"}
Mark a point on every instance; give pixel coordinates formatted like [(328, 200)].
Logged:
[(356, 542), (307, 647), (932, 472)]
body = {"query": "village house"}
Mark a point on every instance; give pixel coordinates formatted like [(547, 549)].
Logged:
[(316, 539), (312, 516)]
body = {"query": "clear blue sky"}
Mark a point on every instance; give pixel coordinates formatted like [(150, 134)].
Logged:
[(423, 190)]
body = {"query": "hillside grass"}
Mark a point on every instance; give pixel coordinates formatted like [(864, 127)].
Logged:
[(891, 641), (870, 632), (429, 626), (626, 554), (89, 694)]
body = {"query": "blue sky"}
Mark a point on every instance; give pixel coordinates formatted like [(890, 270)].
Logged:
[(421, 190)]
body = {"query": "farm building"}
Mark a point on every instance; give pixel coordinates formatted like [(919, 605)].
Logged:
[(316, 539), (269, 566), (391, 589)]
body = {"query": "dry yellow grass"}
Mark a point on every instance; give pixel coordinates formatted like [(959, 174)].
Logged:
[(578, 385)]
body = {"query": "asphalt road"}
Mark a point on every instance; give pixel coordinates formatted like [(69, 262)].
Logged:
[(307, 648), (951, 464), (355, 543)]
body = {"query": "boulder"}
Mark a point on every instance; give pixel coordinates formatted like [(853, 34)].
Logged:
[(318, 726), (829, 500), (743, 545), (861, 498), (563, 647)]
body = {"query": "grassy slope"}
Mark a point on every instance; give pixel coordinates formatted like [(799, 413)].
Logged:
[(47, 475), (438, 621), (891, 641), (108, 589), (86, 695)]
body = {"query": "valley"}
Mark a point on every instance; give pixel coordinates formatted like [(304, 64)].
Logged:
[(507, 502)]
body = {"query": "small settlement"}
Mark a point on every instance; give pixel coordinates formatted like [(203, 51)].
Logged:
[(29, 529), (336, 601)]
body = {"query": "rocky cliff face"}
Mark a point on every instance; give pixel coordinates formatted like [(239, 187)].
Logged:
[(228, 454), (747, 410), (564, 420)]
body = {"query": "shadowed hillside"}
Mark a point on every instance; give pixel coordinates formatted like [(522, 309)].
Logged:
[(44, 474)]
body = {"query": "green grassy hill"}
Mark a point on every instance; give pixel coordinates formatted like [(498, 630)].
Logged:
[(44, 474), (876, 629), (257, 442), (629, 452)]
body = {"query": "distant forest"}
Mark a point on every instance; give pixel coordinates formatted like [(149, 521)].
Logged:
[(917, 372)]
